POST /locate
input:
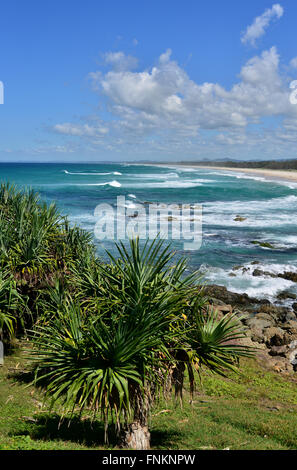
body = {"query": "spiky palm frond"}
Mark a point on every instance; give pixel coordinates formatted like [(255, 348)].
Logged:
[(150, 326), (11, 305), (98, 365), (216, 342)]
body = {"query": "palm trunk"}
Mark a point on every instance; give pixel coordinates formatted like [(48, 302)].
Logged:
[(136, 436)]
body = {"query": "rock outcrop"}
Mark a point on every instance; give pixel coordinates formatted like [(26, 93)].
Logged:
[(270, 328)]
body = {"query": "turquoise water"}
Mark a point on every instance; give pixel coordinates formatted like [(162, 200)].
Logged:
[(269, 209)]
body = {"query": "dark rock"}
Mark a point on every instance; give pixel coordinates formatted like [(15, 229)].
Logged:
[(289, 275), (274, 336), (262, 244), (233, 298), (287, 295), (290, 316), (239, 218), (279, 351), (235, 268), (259, 272)]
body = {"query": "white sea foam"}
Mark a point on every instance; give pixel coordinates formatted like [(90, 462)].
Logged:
[(153, 175), (255, 286), (257, 213), (263, 179), (113, 183), (91, 173), (164, 184)]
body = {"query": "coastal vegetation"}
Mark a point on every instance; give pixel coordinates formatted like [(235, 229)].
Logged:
[(254, 410), (263, 164), (109, 339)]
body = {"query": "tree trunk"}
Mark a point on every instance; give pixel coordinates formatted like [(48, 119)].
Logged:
[(136, 436)]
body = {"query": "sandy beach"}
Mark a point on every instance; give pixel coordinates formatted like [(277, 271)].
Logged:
[(286, 175), (290, 175)]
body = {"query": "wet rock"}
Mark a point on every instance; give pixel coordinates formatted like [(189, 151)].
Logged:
[(259, 272), (239, 218), (287, 295), (235, 268), (289, 275), (263, 244), (233, 298)]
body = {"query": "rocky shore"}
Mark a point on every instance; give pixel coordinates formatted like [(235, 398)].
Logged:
[(270, 328)]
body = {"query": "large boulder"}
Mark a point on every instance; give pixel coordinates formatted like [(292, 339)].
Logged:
[(259, 323), (220, 292), (285, 294), (274, 336), (289, 275), (279, 351), (278, 313)]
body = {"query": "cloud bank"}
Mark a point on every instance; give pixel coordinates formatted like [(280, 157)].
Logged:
[(261, 23)]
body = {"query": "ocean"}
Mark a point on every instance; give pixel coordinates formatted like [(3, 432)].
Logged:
[(227, 256)]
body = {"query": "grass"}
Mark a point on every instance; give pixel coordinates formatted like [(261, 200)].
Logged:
[(254, 411)]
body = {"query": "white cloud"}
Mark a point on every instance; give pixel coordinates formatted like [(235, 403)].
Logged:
[(166, 97), (293, 63), (162, 110), (79, 130), (261, 23), (165, 57), (120, 61)]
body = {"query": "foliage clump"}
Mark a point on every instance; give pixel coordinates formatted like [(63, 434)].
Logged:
[(107, 337)]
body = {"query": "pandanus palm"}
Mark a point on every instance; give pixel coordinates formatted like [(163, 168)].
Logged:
[(118, 360)]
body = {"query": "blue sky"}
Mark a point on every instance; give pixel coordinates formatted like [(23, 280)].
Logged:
[(159, 80)]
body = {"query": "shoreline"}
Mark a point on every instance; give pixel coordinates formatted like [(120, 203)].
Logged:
[(286, 175), (283, 175)]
